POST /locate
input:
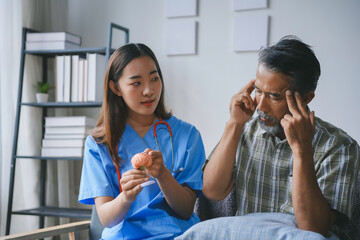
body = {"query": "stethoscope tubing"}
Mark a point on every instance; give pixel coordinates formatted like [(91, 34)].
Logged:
[(171, 140)]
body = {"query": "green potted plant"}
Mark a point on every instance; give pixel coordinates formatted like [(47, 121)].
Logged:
[(42, 93)]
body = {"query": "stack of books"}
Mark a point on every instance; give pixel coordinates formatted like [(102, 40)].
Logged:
[(80, 79), (65, 136), (52, 41)]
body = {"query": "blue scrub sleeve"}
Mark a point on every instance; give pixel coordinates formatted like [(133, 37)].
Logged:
[(194, 156), (94, 179)]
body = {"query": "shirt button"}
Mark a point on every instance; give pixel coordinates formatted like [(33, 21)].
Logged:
[(278, 150), (274, 178), (272, 204)]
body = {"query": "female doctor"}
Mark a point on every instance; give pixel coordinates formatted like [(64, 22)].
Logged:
[(133, 104)]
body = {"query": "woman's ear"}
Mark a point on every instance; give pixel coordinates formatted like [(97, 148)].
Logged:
[(113, 87), (308, 97)]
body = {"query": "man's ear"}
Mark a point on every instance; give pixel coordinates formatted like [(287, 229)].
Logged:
[(114, 88), (308, 97)]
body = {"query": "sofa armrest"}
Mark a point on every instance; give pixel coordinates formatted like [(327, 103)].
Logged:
[(69, 228), (208, 209)]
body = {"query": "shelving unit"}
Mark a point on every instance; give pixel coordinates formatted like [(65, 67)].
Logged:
[(47, 211)]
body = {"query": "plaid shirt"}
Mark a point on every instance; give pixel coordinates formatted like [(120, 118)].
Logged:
[(263, 169)]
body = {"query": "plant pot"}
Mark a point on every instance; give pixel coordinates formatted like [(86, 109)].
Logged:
[(42, 97)]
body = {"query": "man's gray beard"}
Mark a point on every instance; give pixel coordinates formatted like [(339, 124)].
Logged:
[(274, 130)]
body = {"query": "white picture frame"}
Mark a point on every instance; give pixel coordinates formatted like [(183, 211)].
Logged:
[(250, 32), (181, 8), (181, 37), (240, 5)]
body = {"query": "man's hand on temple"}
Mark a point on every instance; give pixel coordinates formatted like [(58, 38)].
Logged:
[(299, 126), (242, 106)]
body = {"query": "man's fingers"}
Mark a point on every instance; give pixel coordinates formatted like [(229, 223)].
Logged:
[(244, 99), (300, 104), (312, 119), (288, 117), (248, 101), (249, 87), (291, 103), (243, 96), (286, 120), (283, 123)]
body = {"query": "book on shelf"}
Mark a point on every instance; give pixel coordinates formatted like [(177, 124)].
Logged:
[(62, 151), (81, 79), (85, 82), (74, 78), (67, 130), (55, 45), (69, 121), (96, 72), (63, 142), (59, 78), (66, 136), (67, 78), (53, 36)]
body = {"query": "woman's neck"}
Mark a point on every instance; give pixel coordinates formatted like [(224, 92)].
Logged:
[(141, 124)]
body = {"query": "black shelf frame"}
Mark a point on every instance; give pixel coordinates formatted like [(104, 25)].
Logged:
[(50, 158), (45, 211), (74, 51), (56, 212), (63, 104)]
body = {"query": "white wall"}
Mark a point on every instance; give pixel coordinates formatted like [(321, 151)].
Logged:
[(199, 87)]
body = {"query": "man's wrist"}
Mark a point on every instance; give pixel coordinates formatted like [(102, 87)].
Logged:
[(303, 151), (235, 125)]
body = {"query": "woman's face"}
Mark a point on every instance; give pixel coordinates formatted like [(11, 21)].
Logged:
[(140, 86)]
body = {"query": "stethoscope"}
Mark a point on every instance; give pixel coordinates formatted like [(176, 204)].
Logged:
[(171, 140), (158, 145)]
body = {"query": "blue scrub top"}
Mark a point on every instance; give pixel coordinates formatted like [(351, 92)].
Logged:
[(149, 217)]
